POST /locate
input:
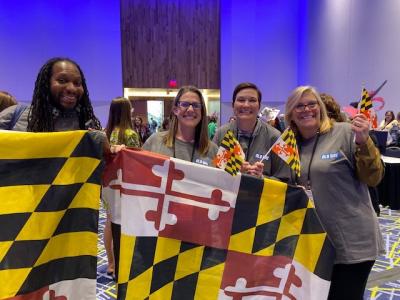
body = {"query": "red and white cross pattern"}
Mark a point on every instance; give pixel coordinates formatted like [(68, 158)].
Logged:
[(175, 197)]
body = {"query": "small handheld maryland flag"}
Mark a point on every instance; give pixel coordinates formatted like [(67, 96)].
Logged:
[(230, 155), (366, 101), (286, 148)]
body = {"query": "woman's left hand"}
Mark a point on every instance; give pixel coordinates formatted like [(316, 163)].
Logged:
[(360, 126)]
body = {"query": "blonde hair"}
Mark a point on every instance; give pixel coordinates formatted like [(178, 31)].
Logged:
[(294, 99), (202, 142)]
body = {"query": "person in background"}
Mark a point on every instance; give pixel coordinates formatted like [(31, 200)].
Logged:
[(388, 122), (60, 101), (332, 108), (141, 129), (398, 117), (276, 123), (153, 125), (187, 136), (119, 129), (6, 100), (120, 134), (254, 136), (212, 126), (165, 125), (231, 119), (338, 161)]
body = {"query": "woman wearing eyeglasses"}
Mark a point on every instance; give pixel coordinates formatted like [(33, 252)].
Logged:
[(254, 136), (338, 160), (187, 136)]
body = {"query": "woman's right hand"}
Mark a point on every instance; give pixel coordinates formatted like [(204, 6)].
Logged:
[(117, 148)]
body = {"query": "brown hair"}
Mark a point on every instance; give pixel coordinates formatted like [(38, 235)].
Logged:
[(119, 117), (391, 115), (332, 107), (294, 98), (6, 100), (202, 142), (246, 85)]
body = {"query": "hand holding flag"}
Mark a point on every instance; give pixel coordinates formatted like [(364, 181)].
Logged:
[(286, 148), (230, 155)]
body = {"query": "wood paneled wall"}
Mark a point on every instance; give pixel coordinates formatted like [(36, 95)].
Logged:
[(170, 39)]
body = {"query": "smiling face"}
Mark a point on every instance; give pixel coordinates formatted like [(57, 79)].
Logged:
[(188, 116), (307, 114), (138, 121), (389, 116), (246, 105), (65, 85)]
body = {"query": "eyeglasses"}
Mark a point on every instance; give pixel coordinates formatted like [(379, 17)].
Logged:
[(186, 104), (302, 107)]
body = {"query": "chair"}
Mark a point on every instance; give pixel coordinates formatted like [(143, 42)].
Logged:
[(393, 152)]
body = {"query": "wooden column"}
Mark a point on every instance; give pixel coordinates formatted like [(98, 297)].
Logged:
[(170, 39)]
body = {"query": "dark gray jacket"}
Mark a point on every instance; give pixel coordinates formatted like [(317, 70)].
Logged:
[(263, 137)]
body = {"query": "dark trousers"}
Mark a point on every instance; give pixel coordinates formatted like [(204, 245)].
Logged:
[(349, 281)]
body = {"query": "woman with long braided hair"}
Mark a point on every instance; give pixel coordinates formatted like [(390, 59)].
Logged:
[(60, 101)]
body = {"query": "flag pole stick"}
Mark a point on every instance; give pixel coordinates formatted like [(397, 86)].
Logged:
[(265, 156)]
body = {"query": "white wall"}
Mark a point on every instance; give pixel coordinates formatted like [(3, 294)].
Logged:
[(259, 41), (350, 43)]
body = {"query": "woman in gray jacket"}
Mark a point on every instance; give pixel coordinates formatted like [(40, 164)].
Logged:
[(338, 160)]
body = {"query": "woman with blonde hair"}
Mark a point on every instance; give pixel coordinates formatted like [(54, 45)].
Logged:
[(187, 135), (338, 161)]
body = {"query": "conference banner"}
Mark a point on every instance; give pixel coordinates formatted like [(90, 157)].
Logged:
[(49, 202)]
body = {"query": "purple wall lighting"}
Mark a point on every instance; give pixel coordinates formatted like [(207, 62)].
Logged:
[(88, 32)]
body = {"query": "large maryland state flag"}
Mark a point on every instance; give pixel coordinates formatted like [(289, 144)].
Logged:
[(49, 199), (194, 232)]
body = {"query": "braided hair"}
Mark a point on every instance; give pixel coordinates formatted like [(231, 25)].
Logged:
[(41, 111)]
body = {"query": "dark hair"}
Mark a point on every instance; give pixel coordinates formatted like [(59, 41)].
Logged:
[(332, 107), (213, 118), (119, 117), (201, 133), (165, 124), (246, 85), (41, 111), (6, 100), (391, 115)]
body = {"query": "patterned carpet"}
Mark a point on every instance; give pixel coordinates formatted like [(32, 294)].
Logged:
[(385, 273), (387, 267)]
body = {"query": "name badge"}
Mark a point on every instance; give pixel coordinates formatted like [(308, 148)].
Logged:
[(201, 162), (330, 156)]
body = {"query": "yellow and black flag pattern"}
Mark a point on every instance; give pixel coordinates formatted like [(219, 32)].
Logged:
[(286, 224), (271, 226), (49, 200), (366, 101), (286, 148), (230, 156)]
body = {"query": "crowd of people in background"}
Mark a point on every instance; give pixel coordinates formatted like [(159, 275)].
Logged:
[(61, 102)]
